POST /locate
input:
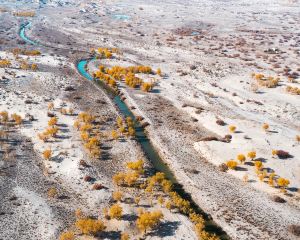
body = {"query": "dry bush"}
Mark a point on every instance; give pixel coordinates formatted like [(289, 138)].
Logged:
[(223, 167), (117, 196), (89, 226), (24, 14), (264, 81), (294, 229), (220, 122), (87, 178), (69, 235), (52, 192), (97, 186), (115, 211), (278, 199), (232, 128), (293, 90), (281, 154), (232, 164)]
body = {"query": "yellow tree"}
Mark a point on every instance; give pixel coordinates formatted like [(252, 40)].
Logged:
[(148, 220), (89, 226), (115, 211)]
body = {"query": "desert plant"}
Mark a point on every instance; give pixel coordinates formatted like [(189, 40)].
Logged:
[(68, 235), (148, 220), (231, 164), (136, 166), (52, 121), (115, 211), (241, 158), (137, 200), (258, 165), (52, 192), (232, 128), (89, 226), (282, 183), (125, 236), (251, 155), (117, 196), (265, 126), (47, 154)]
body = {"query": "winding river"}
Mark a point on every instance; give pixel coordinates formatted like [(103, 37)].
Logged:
[(141, 136)]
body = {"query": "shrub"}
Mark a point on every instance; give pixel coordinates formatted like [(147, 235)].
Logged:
[(114, 134), (125, 236), (232, 128), (50, 106), (67, 236), (281, 154), (159, 72), (115, 211), (251, 155), (89, 226), (241, 158), (118, 178), (278, 199), (147, 87), (5, 63), (220, 122), (17, 118), (52, 121), (117, 196), (52, 192), (136, 166), (282, 182), (223, 167), (232, 164), (87, 178), (298, 138), (293, 90), (137, 200), (97, 186), (265, 126), (294, 229), (47, 154), (148, 220), (131, 178), (258, 165)]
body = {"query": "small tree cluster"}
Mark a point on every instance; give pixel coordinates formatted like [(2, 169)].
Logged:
[(293, 90), (91, 140), (5, 63), (89, 226), (269, 82), (126, 74)]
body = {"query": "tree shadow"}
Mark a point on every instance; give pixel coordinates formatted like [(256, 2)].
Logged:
[(129, 217), (165, 229), (293, 189), (249, 164), (242, 169), (264, 160), (112, 235)]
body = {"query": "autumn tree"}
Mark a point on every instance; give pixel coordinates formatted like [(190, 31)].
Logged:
[(89, 226), (251, 155), (115, 211), (68, 235), (241, 158), (117, 196), (148, 220), (47, 154), (232, 164)]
